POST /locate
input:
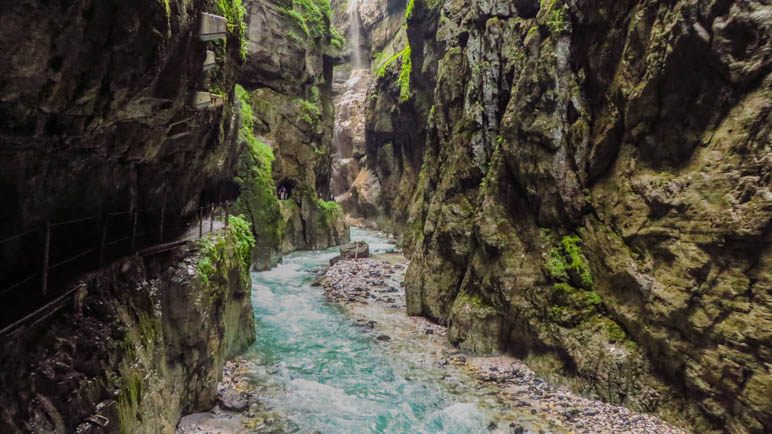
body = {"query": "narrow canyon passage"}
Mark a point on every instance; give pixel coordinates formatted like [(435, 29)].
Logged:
[(562, 208)]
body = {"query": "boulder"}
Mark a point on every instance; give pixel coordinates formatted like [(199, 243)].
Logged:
[(357, 249)]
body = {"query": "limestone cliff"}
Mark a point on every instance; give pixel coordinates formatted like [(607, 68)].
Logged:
[(287, 78), (593, 193), (144, 343)]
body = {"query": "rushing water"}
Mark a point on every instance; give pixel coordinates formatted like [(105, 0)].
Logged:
[(328, 375)]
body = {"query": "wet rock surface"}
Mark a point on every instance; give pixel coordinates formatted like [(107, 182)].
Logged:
[(238, 410), (597, 173)]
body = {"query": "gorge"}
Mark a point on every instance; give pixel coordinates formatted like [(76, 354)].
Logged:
[(567, 205)]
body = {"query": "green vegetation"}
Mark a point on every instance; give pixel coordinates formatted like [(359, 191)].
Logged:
[(211, 253), (139, 343), (556, 265), (577, 261), (245, 241), (258, 191), (129, 399), (213, 248), (572, 294), (475, 301), (557, 21), (313, 18), (615, 333), (330, 210), (557, 18), (235, 12), (382, 65), (337, 40), (404, 74), (167, 7), (310, 112), (409, 9), (406, 68), (567, 260)]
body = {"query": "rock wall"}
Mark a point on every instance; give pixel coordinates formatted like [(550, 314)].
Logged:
[(288, 76), (593, 193), (96, 115), (144, 343)]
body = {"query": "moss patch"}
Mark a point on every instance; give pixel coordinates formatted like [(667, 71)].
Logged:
[(313, 19), (330, 211), (567, 262), (409, 9), (235, 12), (258, 199), (404, 74)]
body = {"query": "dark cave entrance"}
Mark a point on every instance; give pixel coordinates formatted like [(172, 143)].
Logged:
[(284, 189)]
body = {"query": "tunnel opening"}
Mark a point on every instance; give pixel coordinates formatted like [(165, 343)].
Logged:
[(284, 189)]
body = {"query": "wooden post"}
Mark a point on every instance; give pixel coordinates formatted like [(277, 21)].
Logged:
[(227, 212), (200, 221), (211, 217), (134, 231), (46, 249), (103, 239), (161, 229)]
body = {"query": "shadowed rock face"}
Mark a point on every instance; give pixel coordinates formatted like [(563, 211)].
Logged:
[(96, 116), (144, 343), (594, 176)]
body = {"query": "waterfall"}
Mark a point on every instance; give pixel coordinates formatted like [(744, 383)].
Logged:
[(354, 34)]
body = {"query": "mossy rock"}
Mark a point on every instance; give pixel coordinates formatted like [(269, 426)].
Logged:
[(475, 326)]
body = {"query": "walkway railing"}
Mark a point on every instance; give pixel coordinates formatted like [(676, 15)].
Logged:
[(145, 243)]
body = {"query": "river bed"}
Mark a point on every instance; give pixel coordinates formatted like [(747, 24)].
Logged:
[(339, 355)]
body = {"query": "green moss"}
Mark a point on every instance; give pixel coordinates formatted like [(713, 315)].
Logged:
[(338, 41), (556, 265), (235, 12), (567, 260), (615, 332), (557, 21), (556, 17), (409, 9), (310, 111), (258, 191), (577, 261), (167, 7), (313, 18), (572, 289), (381, 65), (245, 241), (404, 74), (129, 399), (330, 210), (475, 301)]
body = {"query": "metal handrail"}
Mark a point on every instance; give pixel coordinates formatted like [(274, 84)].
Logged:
[(201, 216)]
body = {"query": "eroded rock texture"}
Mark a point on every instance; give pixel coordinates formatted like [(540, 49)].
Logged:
[(144, 342), (288, 74), (593, 193)]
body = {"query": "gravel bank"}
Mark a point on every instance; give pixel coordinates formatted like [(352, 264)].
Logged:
[(372, 291)]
